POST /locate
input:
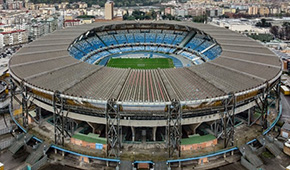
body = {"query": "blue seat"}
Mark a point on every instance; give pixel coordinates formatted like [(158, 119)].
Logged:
[(188, 55), (75, 53), (84, 46), (151, 48), (203, 46), (121, 38), (168, 38), (193, 43), (109, 40), (178, 39), (115, 51), (139, 37), (130, 38), (96, 42), (150, 37), (159, 38), (164, 49), (125, 49), (213, 52), (138, 48)]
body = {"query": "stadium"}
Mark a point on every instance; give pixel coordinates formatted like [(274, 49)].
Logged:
[(178, 86)]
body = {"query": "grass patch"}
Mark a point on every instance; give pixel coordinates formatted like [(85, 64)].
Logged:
[(262, 37), (91, 138), (197, 139), (267, 154), (141, 63)]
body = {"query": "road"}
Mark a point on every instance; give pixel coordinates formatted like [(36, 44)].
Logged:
[(285, 100)]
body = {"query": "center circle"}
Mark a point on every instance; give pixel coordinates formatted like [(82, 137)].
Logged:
[(145, 47)]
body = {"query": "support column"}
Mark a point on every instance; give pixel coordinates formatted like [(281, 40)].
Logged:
[(228, 120), (58, 119), (113, 129), (278, 97), (92, 126), (262, 107), (20, 89), (25, 111), (154, 129), (174, 130), (133, 133), (63, 126), (250, 113), (39, 113)]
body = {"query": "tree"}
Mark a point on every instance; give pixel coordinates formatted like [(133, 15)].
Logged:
[(286, 24), (263, 23), (282, 32), (275, 31), (200, 19)]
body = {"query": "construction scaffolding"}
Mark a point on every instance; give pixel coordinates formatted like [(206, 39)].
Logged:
[(269, 96), (20, 93), (174, 129), (228, 120), (113, 129), (63, 125)]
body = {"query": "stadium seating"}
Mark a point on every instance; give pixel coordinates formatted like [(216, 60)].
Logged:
[(168, 38), (138, 48), (150, 37), (159, 38), (130, 38), (96, 42), (151, 48), (84, 46), (163, 49), (88, 46), (213, 52), (126, 49), (139, 37), (203, 46), (195, 41), (76, 53), (109, 40), (188, 55), (94, 58), (114, 50), (178, 39), (121, 38)]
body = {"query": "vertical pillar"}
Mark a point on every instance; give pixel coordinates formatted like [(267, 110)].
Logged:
[(113, 128), (249, 116), (39, 113), (93, 127), (133, 133), (278, 97), (154, 129), (228, 119), (25, 106), (61, 124), (174, 131)]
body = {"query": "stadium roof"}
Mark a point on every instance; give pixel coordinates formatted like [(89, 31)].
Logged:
[(243, 65)]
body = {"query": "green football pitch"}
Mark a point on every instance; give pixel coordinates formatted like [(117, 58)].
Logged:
[(141, 63)]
